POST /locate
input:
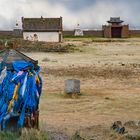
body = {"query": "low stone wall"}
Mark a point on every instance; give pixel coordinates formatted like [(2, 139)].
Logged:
[(68, 33), (94, 33), (134, 33), (11, 33), (6, 33)]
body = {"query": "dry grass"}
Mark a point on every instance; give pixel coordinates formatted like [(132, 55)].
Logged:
[(110, 77)]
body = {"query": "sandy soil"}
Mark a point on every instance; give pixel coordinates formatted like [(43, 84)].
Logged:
[(110, 88)]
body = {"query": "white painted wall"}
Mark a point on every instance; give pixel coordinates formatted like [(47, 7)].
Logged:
[(42, 36)]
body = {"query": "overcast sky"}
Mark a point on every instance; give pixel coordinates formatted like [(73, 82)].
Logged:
[(90, 14)]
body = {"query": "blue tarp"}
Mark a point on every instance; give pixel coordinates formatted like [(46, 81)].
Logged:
[(20, 91)]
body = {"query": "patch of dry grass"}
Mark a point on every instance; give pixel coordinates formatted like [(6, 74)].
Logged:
[(110, 77)]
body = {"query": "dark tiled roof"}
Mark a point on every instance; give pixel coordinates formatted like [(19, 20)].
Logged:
[(42, 24), (115, 20), (7, 56)]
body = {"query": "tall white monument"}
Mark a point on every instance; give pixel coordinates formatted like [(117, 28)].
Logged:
[(78, 31), (17, 30)]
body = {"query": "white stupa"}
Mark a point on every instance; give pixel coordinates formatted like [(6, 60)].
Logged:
[(17, 30), (78, 31), (17, 25)]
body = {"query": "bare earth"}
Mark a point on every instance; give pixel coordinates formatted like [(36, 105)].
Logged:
[(110, 88)]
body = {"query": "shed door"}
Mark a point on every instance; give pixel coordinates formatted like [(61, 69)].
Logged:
[(116, 32)]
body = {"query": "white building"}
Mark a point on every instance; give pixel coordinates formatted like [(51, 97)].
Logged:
[(42, 29)]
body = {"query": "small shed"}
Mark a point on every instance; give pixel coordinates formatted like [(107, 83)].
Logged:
[(42, 29), (115, 28)]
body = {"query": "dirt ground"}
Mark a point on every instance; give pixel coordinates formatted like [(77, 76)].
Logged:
[(109, 73)]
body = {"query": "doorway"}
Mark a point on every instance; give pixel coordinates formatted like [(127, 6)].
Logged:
[(116, 32)]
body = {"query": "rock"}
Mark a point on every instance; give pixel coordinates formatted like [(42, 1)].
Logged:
[(139, 123), (46, 60), (116, 126), (77, 136), (54, 60), (57, 136), (133, 136), (122, 130), (130, 124), (72, 86), (119, 123), (107, 98)]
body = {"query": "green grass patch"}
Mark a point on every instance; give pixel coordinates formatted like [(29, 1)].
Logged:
[(94, 39), (8, 135), (27, 134), (80, 37), (102, 40)]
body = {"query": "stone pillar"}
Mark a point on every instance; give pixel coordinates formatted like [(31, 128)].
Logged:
[(72, 86)]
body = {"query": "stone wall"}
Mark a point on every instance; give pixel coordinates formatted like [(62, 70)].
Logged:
[(106, 32), (6, 33), (134, 33), (92, 33)]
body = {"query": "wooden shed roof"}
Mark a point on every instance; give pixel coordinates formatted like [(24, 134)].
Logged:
[(42, 24)]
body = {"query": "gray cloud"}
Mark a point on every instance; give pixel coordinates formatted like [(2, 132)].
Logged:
[(88, 13), (74, 5)]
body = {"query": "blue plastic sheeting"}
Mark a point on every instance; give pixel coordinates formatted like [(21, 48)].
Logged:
[(19, 65), (20, 92)]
